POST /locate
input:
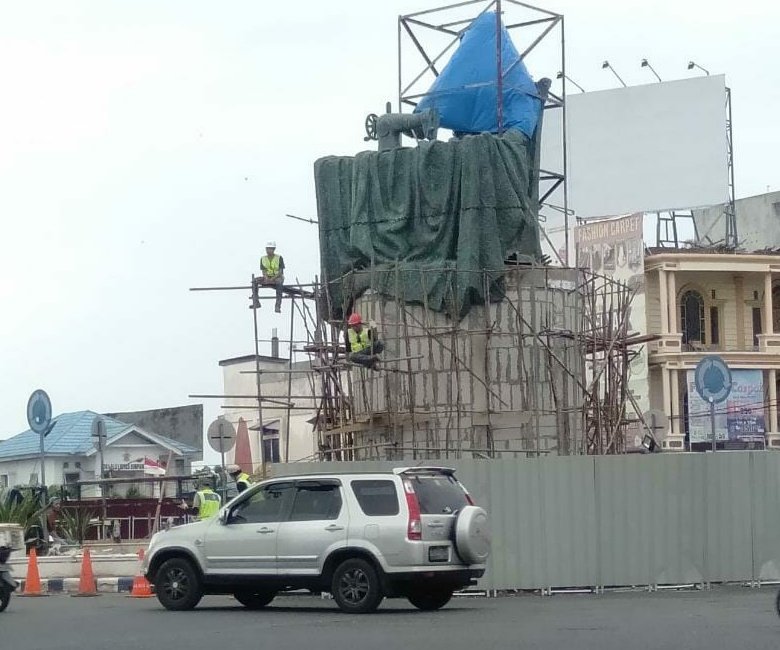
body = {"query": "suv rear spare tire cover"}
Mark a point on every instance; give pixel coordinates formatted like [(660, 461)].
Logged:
[(472, 535)]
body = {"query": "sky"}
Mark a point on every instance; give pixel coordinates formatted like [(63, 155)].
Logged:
[(152, 146)]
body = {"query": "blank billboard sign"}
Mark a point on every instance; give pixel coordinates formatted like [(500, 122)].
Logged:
[(644, 148)]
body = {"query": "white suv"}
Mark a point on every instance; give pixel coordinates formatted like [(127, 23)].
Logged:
[(412, 533)]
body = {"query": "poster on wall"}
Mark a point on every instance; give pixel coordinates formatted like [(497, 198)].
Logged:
[(739, 418), (614, 249)]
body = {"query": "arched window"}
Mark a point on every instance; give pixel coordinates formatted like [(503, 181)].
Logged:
[(692, 317)]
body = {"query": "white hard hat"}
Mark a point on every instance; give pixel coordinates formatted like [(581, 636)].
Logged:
[(270, 244), (233, 469)]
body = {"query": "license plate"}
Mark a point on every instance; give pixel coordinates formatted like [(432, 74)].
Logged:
[(439, 553)]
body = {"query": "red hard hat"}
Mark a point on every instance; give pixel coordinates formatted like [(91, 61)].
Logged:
[(355, 319)]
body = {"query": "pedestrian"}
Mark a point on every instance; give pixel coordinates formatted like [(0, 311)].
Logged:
[(206, 502), (243, 482)]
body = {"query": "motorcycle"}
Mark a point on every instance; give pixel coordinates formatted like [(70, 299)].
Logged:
[(7, 584)]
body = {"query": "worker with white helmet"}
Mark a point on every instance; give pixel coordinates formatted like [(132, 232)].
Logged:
[(272, 267), (243, 482)]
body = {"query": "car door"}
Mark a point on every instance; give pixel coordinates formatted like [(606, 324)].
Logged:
[(317, 524), (245, 544)]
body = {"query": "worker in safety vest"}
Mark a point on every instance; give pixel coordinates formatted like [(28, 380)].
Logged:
[(272, 267), (243, 482), (206, 502), (363, 346)]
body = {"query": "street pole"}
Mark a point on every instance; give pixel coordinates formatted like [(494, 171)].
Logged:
[(712, 421), (44, 490)]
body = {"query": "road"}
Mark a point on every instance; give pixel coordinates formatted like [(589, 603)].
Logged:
[(724, 618)]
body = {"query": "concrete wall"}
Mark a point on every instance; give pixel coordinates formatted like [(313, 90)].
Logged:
[(182, 423), (758, 222), (484, 385)]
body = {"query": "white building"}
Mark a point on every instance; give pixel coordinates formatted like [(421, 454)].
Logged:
[(288, 430), (71, 454)]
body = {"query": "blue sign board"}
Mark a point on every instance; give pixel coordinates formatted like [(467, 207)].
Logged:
[(39, 411), (713, 379)]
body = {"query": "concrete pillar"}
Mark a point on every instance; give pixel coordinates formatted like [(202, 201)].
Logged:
[(772, 424), (664, 297), (666, 389), (673, 318), (675, 388), (768, 303)]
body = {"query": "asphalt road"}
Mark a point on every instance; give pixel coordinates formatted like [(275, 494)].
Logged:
[(724, 618)]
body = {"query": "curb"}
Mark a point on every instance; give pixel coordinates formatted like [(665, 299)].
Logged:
[(71, 585)]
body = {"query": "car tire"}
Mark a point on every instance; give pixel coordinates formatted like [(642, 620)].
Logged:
[(356, 587), (254, 599), (5, 597), (178, 585), (429, 601)]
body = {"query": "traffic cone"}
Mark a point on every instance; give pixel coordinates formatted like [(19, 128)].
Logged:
[(32, 584), (141, 586), (87, 584)]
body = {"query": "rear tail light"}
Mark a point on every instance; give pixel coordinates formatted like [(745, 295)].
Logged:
[(414, 525), (469, 498)]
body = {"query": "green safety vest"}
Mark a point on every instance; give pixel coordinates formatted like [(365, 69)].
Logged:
[(270, 265), (359, 342), (208, 503)]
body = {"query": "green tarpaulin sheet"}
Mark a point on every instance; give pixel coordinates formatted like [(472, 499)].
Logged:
[(427, 220)]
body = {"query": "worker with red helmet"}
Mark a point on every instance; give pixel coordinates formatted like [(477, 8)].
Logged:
[(363, 346)]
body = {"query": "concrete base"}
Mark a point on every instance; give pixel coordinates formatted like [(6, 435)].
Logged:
[(773, 441), (674, 442), (69, 566)]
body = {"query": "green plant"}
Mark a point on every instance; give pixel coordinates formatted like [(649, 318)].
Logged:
[(18, 511), (74, 523), (133, 492)]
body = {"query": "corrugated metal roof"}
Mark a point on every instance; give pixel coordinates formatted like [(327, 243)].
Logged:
[(72, 434)]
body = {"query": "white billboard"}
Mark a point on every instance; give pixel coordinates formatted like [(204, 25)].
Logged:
[(646, 148)]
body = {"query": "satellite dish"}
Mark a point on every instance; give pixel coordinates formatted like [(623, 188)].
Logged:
[(658, 423)]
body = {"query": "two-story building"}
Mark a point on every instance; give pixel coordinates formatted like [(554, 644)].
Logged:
[(705, 302)]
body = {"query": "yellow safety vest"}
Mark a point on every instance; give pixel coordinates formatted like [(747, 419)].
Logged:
[(359, 342), (270, 265), (208, 503), (243, 477)]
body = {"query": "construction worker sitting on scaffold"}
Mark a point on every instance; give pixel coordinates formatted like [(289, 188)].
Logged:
[(363, 346), (243, 482), (272, 267)]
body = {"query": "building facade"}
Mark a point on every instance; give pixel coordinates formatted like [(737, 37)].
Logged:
[(72, 455), (701, 303)]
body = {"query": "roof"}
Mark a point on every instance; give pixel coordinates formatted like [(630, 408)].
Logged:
[(251, 357), (72, 435)]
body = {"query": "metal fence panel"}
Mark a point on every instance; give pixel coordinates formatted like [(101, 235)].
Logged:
[(622, 520), (765, 490)]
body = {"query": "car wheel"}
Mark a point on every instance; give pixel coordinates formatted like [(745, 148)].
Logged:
[(430, 600), (177, 585), (356, 587), (5, 597), (254, 599)]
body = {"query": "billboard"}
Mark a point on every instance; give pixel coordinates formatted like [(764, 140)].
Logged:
[(614, 248), (645, 148), (739, 418)]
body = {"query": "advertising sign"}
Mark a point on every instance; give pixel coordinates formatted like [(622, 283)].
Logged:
[(739, 418), (614, 248)]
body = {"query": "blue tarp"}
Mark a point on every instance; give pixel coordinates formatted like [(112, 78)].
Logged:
[(465, 92)]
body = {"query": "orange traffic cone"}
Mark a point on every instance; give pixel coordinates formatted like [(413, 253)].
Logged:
[(87, 584), (32, 584), (141, 586)]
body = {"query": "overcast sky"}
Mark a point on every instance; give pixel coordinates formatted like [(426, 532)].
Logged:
[(151, 146)]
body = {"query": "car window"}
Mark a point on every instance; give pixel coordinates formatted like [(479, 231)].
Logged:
[(316, 502), (265, 505), (438, 494), (376, 498)]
